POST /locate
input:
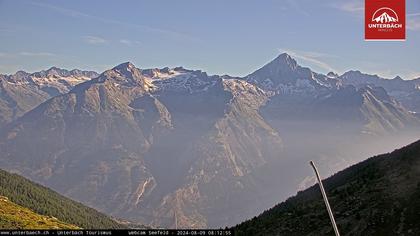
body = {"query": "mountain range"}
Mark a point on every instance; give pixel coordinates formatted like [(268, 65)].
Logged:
[(24, 91), (179, 148), (405, 91)]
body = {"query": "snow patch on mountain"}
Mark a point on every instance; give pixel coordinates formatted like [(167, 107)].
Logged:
[(177, 80), (55, 78), (284, 75), (240, 87), (63, 84)]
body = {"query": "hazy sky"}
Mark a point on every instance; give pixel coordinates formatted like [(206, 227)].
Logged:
[(216, 36)]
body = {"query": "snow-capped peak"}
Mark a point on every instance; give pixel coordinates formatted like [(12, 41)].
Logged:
[(285, 75), (284, 60), (126, 74), (126, 69), (332, 75), (53, 80), (162, 74)]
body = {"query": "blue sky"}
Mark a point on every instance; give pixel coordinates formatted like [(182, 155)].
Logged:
[(218, 36)]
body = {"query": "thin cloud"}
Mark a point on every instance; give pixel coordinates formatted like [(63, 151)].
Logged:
[(78, 14), (8, 68), (355, 6), (26, 54), (413, 14), (62, 10), (297, 6), (94, 39), (37, 54), (413, 21), (315, 58), (384, 73), (6, 30), (129, 42), (413, 24), (413, 75)]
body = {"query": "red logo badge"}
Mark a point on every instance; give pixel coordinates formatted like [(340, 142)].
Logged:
[(384, 19)]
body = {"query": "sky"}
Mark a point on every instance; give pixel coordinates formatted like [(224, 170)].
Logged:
[(232, 37)]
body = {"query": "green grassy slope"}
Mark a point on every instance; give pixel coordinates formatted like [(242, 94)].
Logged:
[(379, 196), (13, 216), (44, 201)]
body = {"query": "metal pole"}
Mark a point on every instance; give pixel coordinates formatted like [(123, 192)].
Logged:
[(324, 195)]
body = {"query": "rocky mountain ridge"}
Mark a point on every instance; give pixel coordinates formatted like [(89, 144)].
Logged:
[(174, 147)]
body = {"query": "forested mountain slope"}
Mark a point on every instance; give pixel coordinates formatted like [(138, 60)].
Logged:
[(33, 200), (379, 196)]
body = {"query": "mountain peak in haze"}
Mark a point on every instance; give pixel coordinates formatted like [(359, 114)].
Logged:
[(332, 74), (54, 68), (55, 71), (124, 74), (59, 72), (126, 69), (126, 65), (397, 78), (284, 55), (282, 65), (284, 60), (52, 75), (21, 74), (283, 70)]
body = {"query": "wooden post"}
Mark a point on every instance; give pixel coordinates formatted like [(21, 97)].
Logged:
[(324, 196)]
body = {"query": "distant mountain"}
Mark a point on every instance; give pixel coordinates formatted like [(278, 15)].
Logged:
[(141, 145), (407, 92), (173, 147), (379, 196), (320, 118), (13, 216), (58, 72), (303, 95), (27, 205), (23, 91), (284, 75)]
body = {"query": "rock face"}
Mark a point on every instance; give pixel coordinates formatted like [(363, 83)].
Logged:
[(300, 94), (174, 147), (22, 91), (407, 92), (157, 157), (284, 75), (326, 119)]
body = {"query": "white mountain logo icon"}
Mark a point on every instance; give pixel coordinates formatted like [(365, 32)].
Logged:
[(385, 15)]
